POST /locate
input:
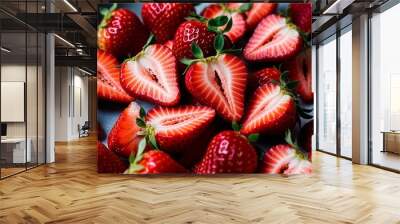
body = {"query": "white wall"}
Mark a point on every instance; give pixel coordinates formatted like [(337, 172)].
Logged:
[(71, 94)]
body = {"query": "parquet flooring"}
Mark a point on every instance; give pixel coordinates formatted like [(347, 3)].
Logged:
[(70, 191)]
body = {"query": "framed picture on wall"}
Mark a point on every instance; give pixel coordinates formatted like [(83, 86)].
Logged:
[(204, 88)]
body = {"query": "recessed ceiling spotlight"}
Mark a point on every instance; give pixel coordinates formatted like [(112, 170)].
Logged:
[(5, 49)]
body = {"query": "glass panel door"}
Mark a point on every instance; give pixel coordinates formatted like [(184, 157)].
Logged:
[(327, 96)]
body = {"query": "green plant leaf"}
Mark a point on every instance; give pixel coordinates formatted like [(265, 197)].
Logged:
[(245, 7), (140, 122), (218, 21), (150, 40), (236, 126), (232, 51), (153, 141), (228, 26), (292, 84), (186, 61), (197, 52), (140, 150), (288, 137), (253, 137), (142, 112), (113, 7), (131, 158), (219, 42), (104, 11)]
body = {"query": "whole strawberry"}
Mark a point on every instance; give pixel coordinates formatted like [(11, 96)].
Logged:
[(228, 152), (263, 76), (301, 15), (108, 162), (152, 162), (121, 32), (164, 18)]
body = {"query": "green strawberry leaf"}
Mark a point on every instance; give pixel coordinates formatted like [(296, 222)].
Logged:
[(219, 42), (187, 61), (236, 126), (218, 21), (104, 11), (132, 158), (253, 137), (197, 52), (142, 113), (245, 7), (213, 29), (292, 84), (140, 122), (232, 51), (228, 26), (153, 141), (140, 150), (150, 41)]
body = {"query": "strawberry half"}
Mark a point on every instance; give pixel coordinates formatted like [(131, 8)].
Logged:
[(108, 162), (256, 12), (164, 18), (151, 75), (300, 70), (272, 110), (154, 162), (274, 39), (176, 128), (285, 159), (108, 82), (121, 32), (301, 15), (238, 22), (219, 82), (228, 152), (123, 138)]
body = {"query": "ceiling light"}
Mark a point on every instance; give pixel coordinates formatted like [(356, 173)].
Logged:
[(84, 71), (70, 5), (5, 50), (64, 40)]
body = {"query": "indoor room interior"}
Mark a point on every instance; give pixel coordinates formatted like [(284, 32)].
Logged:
[(49, 133)]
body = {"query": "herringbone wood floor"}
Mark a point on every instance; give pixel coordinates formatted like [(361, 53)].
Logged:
[(70, 191)]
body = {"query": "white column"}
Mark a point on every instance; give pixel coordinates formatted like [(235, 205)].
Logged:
[(360, 90)]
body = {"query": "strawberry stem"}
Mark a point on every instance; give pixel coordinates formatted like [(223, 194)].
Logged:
[(107, 14)]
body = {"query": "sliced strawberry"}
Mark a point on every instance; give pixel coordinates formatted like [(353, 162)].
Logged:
[(108, 162), (174, 128), (155, 162), (256, 13), (301, 14), (164, 18), (220, 83), (238, 23), (228, 152), (151, 75), (272, 110), (300, 70), (123, 138), (108, 82), (286, 159), (306, 134), (169, 44), (273, 40), (263, 76)]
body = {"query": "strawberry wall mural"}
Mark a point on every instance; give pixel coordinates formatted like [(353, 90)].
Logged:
[(204, 88)]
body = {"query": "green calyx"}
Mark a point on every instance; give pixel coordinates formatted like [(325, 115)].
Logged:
[(242, 9), (251, 138), (107, 14), (134, 159), (294, 144)]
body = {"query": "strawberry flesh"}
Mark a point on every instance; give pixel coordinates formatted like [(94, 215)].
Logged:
[(108, 79), (152, 76), (273, 40), (219, 83), (271, 111), (176, 127)]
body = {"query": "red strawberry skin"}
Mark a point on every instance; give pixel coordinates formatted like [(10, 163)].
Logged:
[(169, 44), (108, 79), (301, 15), (256, 13), (164, 18), (152, 76), (220, 84), (123, 139), (228, 152), (158, 162), (283, 159), (238, 21), (263, 76), (108, 162), (300, 70), (271, 111), (273, 40), (122, 34), (175, 128), (189, 32)]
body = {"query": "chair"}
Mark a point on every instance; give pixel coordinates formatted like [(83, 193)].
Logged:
[(84, 130)]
